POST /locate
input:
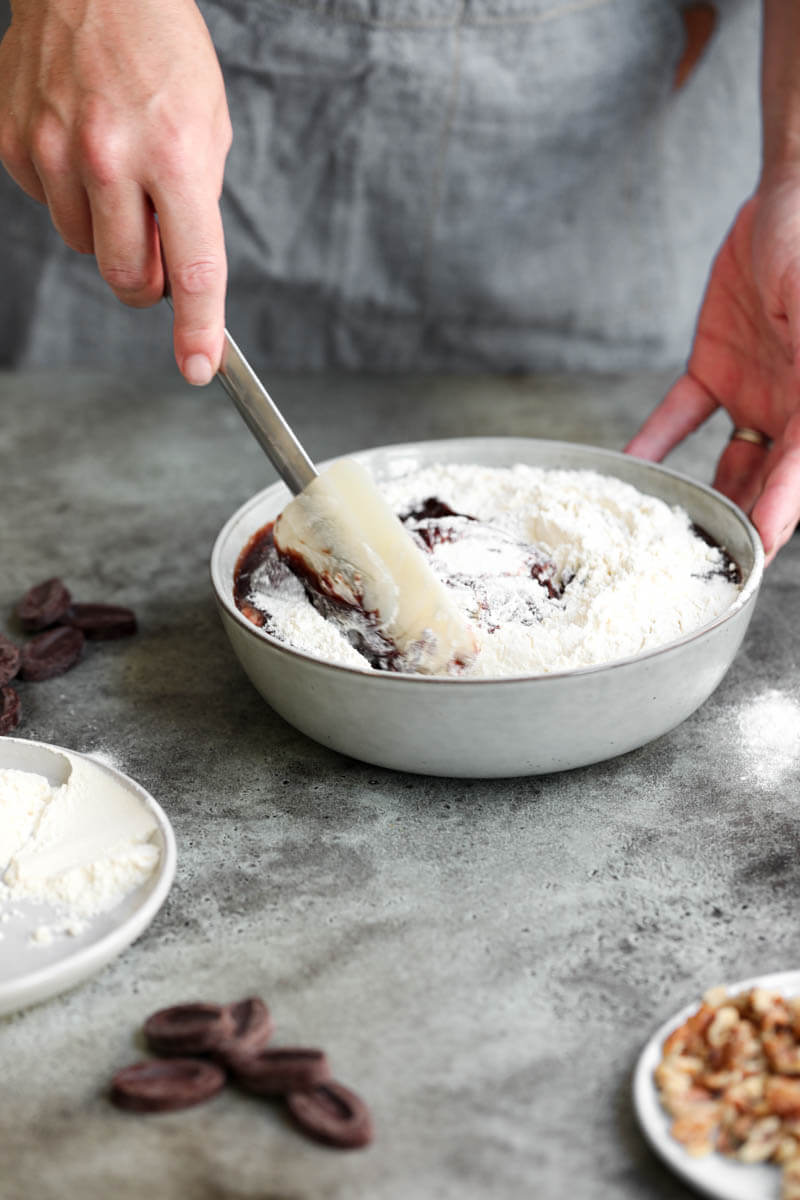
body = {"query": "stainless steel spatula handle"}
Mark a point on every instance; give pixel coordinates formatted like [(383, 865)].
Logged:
[(261, 414), (264, 419)]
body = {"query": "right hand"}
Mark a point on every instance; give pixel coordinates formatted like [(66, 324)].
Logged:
[(111, 110)]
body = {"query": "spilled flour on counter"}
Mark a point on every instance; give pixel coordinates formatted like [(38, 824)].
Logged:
[(555, 569), (78, 848)]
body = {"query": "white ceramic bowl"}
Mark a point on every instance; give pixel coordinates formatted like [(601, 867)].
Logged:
[(526, 725)]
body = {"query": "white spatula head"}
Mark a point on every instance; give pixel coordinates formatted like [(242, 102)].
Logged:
[(342, 537)]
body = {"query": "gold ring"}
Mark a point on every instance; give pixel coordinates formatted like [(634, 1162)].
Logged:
[(742, 434)]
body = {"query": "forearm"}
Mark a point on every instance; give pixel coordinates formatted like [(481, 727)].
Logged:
[(780, 87)]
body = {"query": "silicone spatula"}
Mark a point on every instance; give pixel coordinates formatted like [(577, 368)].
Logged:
[(343, 534)]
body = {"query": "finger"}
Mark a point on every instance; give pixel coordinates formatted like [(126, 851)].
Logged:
[(17, 162), (126, 242), (70, 212), (28, 180), (194, 251), (63, 187), (777, 511), (740, 472), (685, 407)]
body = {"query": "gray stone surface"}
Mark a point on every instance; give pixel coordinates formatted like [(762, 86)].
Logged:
[(482, 959)]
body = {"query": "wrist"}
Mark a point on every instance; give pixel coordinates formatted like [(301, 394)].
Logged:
[(780, 169)]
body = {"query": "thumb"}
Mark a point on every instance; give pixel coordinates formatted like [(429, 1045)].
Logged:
[(776, 512)]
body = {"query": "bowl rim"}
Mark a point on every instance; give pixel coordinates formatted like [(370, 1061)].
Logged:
[(748, 592)]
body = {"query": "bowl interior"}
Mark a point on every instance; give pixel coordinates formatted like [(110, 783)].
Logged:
[(40, 759), (725, 523)]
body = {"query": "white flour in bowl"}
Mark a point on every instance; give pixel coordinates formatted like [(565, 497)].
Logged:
[(556, 569)]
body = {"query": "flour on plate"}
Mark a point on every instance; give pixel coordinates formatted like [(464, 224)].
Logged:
[(78, 848), (556, 569)]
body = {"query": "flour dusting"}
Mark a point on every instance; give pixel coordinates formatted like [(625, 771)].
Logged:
[(556, 569)]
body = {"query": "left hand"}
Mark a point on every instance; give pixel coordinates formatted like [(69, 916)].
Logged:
[(746, 359)]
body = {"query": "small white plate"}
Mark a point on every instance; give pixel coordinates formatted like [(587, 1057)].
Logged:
[(714, 1175), (31, 972)]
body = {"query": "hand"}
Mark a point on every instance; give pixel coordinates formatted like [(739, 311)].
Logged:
[(111, 111), (746, 358)]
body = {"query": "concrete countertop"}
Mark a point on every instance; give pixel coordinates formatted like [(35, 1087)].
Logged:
[(482, 960)]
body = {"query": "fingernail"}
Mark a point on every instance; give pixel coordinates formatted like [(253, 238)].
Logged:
[(198, 370)]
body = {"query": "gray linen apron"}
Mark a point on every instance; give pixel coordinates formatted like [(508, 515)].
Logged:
[(441, 184)]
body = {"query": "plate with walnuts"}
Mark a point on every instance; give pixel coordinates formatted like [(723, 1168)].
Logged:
[(717, 1090)]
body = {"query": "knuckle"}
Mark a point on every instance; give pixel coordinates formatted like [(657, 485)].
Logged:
[(197, 276), (174, 153), (49, 145), (100, 150), (127, 279), (187, 146), (12, 147)]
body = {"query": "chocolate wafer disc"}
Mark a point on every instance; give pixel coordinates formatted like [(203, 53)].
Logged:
[(189, 1028), (51, 653), (43, 605), (10, 659), (165, 1086), (9, 709), (331, 1113), (101, 622), (279, 1070), (253, 1027)]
